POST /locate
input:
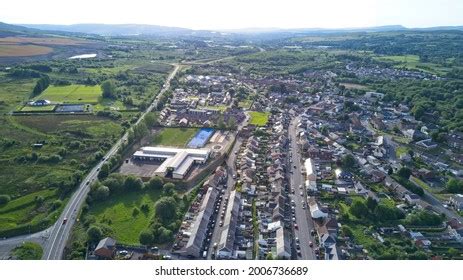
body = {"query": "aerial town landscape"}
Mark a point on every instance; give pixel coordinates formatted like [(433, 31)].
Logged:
[(173, 144)]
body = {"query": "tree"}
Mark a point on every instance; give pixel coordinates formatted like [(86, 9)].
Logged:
[(156, 183), (104, 171), (371, 204), (404, 172), (348, 161), (385, 213), (132, 183), (166, 209), (452, 252), (100, 193), (41, 85), (115, 183), (109, 89), (232, 123), (346, 231), (164, 235), (4, 199), (146, 237), (168, 189), (150, 120), (358, 208), (454, 186), (94, 234)]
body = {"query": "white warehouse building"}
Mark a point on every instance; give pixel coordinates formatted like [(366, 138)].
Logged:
[(175, 160)]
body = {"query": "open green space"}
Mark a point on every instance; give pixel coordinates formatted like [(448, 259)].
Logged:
[(72, 94), (259, 118), (401, 150), (175, 137), (28, 251), (47, 108), (14, 93), (245, 104), (70, 146), (412, 62), (118, 213)]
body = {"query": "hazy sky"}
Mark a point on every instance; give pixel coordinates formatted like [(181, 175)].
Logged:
[(221, 14)]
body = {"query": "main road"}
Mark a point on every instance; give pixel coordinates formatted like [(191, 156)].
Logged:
[(303, 218)]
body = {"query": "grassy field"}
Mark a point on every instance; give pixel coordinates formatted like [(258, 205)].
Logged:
[(13, 93), (259, 118), (117, 212), (83, 126), (47, 108), (245, 104), (28, 251), (176, 137), (24, 178), (413, 62), (72, 94), (24, 209), (401, 150)]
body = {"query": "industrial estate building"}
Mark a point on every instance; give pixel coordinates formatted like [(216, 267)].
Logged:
[(175, 161)]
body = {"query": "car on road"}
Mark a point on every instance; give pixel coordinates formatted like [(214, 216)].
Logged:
[(294, 166), (65, 220), (296, 226), (301, 193), (310, 244)]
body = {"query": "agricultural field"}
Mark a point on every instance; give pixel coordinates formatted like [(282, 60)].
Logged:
[(118, 213), (259, 118), (9, 50), (413, 62), (176, 137), (72, 94), (42, 41)]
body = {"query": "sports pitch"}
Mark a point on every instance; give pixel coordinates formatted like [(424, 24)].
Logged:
[(72, 94)]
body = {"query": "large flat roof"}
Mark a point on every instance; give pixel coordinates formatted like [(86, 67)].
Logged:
[(180, 160)]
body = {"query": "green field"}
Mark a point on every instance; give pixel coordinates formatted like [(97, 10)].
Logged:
[(72, 94), (24, 210), (245, 104), (28, 251), (117, 213), (175, 137), (14, 93), (259, 118), (47, 108), (413, 62), (26, 172), (400, 150)]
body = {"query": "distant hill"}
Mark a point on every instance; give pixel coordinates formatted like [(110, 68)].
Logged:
[(113, 29), (156, 30), (12, 30)]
